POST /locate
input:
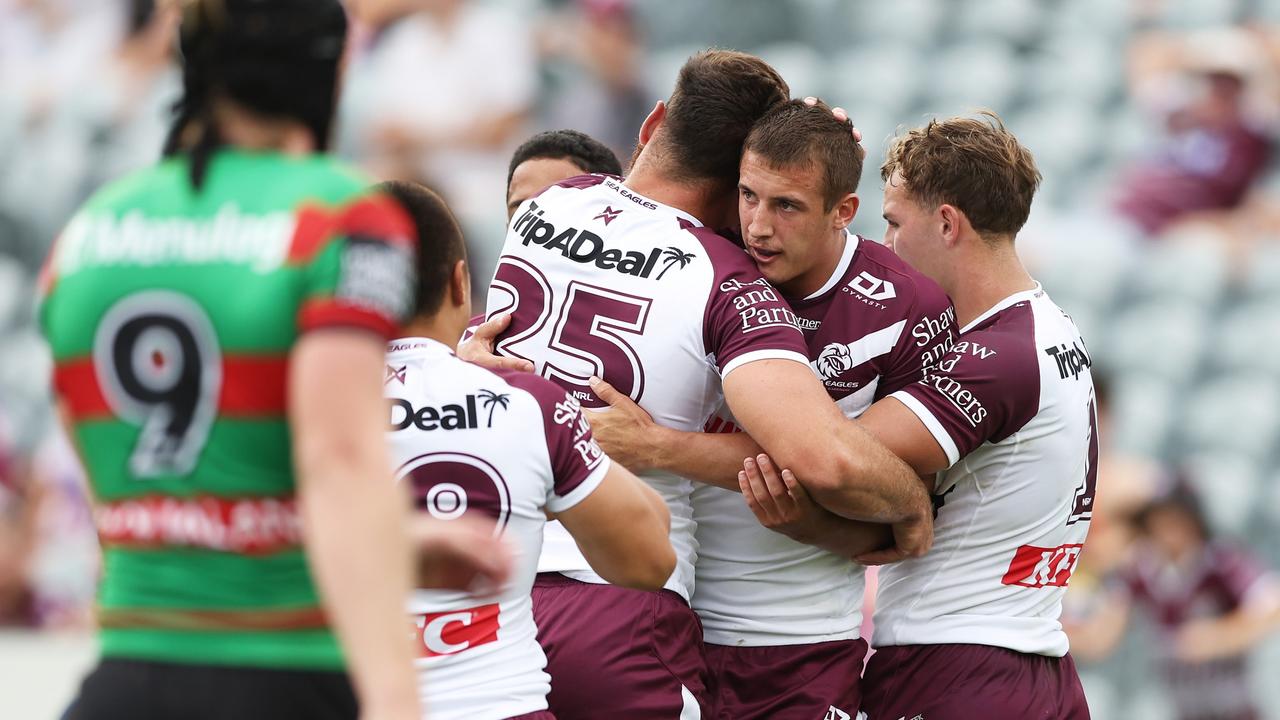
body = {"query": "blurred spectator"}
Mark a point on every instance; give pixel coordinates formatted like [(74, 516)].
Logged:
[(438, 93), (594, 54), (1214, 148), (109, 117), (1210, 600)]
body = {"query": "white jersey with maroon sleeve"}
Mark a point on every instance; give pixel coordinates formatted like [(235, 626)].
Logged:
[(508, 446), (1012, 406), (603, 281), (870, 330)]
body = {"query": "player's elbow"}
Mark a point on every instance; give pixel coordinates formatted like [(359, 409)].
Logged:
[(647, 570)]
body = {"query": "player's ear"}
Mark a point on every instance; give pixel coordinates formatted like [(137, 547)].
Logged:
[(653, 122), (460, 284), (845, 210), (950, 220)]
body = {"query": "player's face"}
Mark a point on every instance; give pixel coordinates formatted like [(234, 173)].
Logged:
[(535, 174), (794, 240), (913, 231)]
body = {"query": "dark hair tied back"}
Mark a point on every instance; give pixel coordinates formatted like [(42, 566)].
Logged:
[(278, 58)]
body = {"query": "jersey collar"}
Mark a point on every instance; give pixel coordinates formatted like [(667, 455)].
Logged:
[(417, 346), (1014, 299), (846, 259)]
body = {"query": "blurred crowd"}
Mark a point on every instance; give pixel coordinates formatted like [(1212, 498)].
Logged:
[(1153, 121)]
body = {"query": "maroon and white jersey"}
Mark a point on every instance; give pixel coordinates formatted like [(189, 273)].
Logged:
[(508, 446), (1012, 406), (870, 330), (1220, 580), (603, 281)]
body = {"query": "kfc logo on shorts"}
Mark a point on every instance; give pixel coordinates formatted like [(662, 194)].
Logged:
[(1037, 567), (452, 632)]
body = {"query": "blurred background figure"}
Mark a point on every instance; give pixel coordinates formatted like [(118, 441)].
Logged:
[(593, 55), (1210, 600), (1207, 90), (438, 93), (1157, 227)]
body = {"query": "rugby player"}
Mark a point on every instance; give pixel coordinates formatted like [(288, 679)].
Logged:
[(625, 281), (871, 324), (217, 324), (1006, 419), (552, 156), (512, 447)]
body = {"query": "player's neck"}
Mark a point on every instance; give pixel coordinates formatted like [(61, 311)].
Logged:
[(442, 330), (808, 283), (984, 278), (695, 199), (244, 129)]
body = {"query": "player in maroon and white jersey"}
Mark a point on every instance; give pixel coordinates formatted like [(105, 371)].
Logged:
[(871, 324), (552, 156), (626, 281), (514, 448), (1211, 601), (1006, 419)]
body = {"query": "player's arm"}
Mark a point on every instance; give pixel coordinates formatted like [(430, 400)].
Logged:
[(631, 437), (354, 518), (622, 528), (782, 504), (782, 405)]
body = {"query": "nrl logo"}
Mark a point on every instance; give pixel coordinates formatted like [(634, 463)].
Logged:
[(834, 360)]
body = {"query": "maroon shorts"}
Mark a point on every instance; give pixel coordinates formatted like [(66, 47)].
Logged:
[(539, 715), (804, 682), (970, 682), (618, 653)]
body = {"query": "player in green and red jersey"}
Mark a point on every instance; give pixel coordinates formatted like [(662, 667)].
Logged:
[(218, 324)]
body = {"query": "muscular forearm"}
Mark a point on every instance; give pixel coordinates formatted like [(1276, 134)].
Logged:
[(861, 480), (711, 458), (844, 537)]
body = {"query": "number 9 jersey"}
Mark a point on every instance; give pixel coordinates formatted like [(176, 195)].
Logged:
[(171, 314)]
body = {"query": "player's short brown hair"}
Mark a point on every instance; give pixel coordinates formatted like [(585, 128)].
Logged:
[(794, 134), (718, 97), (440, 242), (973, 163)]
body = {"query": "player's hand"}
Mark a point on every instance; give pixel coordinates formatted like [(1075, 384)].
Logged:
[(479, 348), (778, 500), (911, 539), (843, 116), (626, 432), (459, 554)]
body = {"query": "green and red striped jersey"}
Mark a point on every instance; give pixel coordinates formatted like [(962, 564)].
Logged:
[(171, 313)]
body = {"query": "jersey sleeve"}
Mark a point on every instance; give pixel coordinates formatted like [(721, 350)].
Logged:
[(984, 390), (930, 331), (745, 318), (578, 464), (1244, 579), (359, 265)]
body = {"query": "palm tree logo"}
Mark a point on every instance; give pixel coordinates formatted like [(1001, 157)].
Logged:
[(674, 255), (491, 399)]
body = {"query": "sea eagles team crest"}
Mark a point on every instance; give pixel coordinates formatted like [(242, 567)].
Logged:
[(834, 360), (608, 215), (397, 374)]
